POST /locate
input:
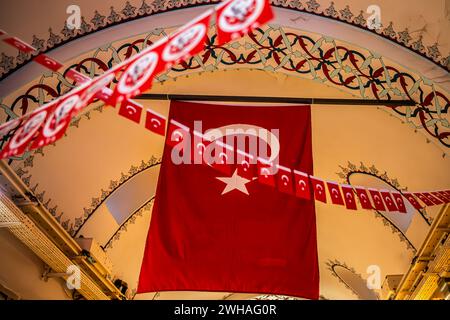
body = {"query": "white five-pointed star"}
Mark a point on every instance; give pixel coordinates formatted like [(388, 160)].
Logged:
[(235, 182)]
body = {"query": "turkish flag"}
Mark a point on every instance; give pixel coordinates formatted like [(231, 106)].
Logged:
[(390, 203), (349, 197), (48, 62), (424, 199), (412, 199), (19, 44), (131, 110), (285, 180), (302, 188), (377, 200), (363, 197), (266, 172), (226, 233), (155, 122), (187, 41), (319, 189), (440, 196), (399, 202), (433, 199), (235, 18), (335, 193)]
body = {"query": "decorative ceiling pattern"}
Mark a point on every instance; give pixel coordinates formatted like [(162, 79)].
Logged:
[(9, 64), (275, 49)]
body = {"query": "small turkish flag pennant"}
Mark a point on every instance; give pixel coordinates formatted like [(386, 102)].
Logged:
[(377, 200), (246, 165), (424, 199), (266, 172), (131, 110), (398, 198), (235, 18), (155, 122), (222, 156), (349, 197), (48, 62), (19, 44), (410, 197), (187, 41), (57, 121), (77, 76), (390, 203), (439, 196), (363, 197), (432, 198), (319, 189), (25, 133), (335, 193), (302, 189), (285, 181), (177, 133), (445, 196)]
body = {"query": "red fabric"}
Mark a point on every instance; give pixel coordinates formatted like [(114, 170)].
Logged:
[(413, 201), (48, 62), (390, 203), (131, 110), (302, 188), (318, 186), (363, 198), (235, 18), (201, 240), (399, 202), (155, 122), (19, 44), (377, 200)]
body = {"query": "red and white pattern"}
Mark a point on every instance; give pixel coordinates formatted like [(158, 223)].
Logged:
[(349, 197)]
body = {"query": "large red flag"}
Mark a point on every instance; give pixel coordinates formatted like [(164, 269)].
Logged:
[(212, 231)]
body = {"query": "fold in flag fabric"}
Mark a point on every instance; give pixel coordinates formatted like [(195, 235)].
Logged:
[(227, 233)]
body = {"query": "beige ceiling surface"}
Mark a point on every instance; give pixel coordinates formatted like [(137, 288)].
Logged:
[(83, 163)]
